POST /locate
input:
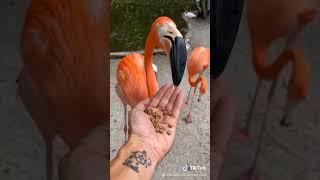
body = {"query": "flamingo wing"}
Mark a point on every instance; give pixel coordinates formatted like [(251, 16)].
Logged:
[(131, 77), (64, 55)]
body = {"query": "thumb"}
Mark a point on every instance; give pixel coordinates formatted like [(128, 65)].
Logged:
[(143, 104)]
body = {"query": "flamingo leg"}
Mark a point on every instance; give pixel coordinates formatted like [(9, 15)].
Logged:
[(188, 119), (199, 98), (189, 95), (125, 123), (49, 160), (271, 95), (304, 18), (288, 111), (252, 173), (245, 131)]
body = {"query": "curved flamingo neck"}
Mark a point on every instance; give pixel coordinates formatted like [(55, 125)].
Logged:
[(265, 70), (152, 83), (194, 83), (300, 75)]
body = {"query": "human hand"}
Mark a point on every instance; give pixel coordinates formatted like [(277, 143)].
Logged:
[(141, 129), (139, 156)]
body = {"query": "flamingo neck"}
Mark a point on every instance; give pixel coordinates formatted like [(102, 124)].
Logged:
[(265, 70), (300, 74), (194, 83), (152, 83)]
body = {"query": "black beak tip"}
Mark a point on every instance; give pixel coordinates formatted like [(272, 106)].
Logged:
[(178, 58)]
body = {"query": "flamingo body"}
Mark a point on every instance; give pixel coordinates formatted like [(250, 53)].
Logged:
[(131, 77), (269, 21), (63, 83), (66, 66)]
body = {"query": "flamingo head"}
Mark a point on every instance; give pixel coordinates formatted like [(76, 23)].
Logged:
[(169, 38), (199, 61)]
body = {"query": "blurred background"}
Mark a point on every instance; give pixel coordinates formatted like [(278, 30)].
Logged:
[(22, 148), (131, 19), (287, 153)]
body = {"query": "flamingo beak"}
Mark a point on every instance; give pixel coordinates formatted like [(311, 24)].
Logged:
[(178, 59)]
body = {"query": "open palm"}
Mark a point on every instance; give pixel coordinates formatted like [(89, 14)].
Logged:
[(169, 97)]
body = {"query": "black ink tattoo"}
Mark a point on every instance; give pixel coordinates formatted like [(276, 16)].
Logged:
[(137, 158)]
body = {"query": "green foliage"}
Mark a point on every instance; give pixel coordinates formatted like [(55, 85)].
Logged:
[(131, 20)]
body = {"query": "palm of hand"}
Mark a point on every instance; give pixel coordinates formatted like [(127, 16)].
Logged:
[(168, 97)]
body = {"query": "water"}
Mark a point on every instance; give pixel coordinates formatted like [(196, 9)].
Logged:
[(131, 20)]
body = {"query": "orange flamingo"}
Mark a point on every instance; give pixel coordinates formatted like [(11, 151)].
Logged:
[(197, 64), (291, 18), (268, 21), (63, 83), (135, 75)]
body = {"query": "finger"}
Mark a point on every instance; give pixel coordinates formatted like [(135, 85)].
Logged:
[(143, 104), (170, 130), (166, 97), (173, 99), (169, 123), (156, 99), (177, 105)]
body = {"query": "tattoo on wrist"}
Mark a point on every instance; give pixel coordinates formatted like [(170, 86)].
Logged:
[(136, 159)]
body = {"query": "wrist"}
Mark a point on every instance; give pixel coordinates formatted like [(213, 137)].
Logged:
[(135, 143), (135, 160)]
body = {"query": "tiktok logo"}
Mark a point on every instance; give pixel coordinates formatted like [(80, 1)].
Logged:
[(185, 168), (193, 168)]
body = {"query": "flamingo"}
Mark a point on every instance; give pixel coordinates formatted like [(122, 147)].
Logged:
[(197, 64), (63, 83), (136, 79), (287, 19), (268, 21)]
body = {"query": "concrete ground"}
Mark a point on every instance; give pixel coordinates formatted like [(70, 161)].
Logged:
[(192, 144), (288, 153)]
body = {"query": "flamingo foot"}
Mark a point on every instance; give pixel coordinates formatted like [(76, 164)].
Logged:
[(250, 175), (284, 121), (188, 118)]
